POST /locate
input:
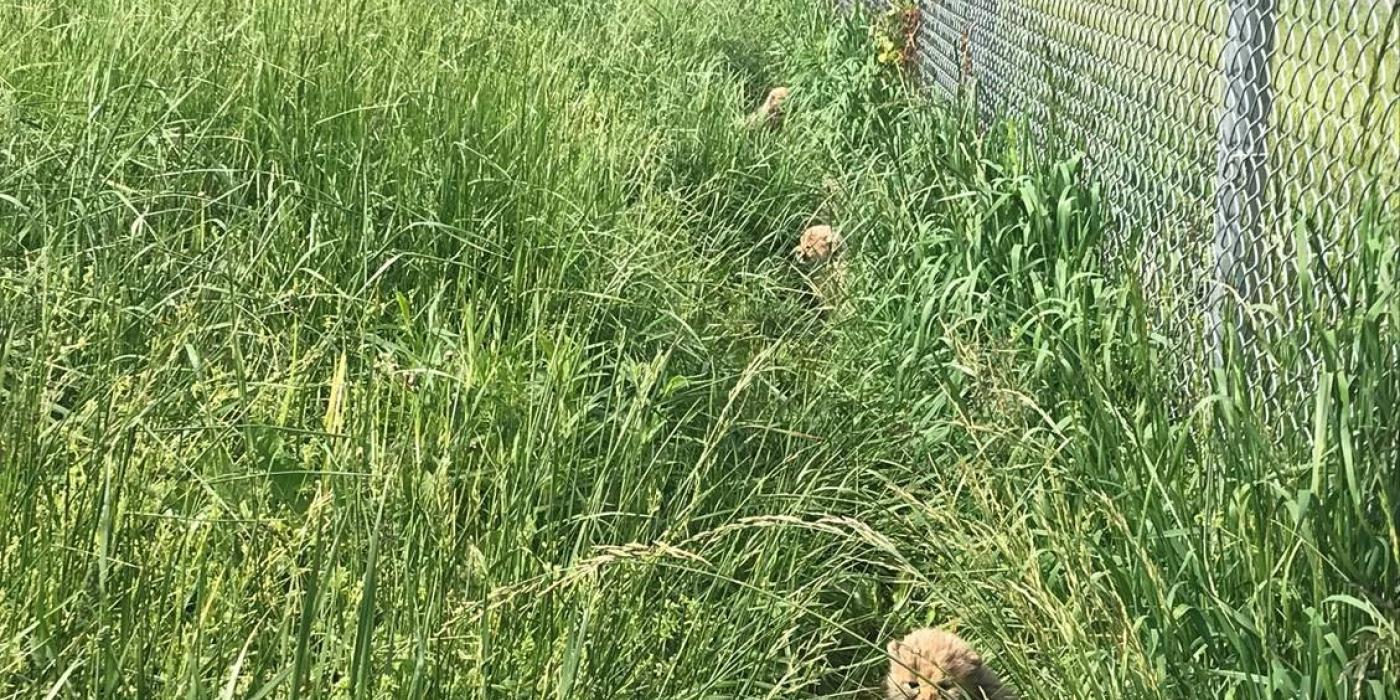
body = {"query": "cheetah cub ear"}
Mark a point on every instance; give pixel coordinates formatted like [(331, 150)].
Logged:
[(973, 658)]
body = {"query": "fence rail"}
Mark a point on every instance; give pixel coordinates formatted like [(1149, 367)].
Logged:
[(1246, 144)]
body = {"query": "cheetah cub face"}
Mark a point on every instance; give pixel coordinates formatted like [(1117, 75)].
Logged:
[(770, 113), (818, 244), (931, 664)]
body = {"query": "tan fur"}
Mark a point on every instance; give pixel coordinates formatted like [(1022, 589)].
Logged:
[(819, 244), (770, 113), (819, 251), (931, 664)]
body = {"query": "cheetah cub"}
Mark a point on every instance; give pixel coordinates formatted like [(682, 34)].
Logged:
[(770, 113), (931, 664), (819, 244), (819, 252)]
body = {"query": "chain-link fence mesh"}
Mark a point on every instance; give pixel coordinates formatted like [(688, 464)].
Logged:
[(1246, 146)]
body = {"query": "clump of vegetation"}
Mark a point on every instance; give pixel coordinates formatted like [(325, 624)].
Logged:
[(896, 36), (421, 349)]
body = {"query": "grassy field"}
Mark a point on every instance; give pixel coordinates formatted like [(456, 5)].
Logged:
[(406, 348)]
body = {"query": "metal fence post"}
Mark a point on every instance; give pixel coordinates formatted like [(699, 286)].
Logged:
[(1242, 158)]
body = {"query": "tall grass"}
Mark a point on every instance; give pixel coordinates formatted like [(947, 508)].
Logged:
[(417, 349)]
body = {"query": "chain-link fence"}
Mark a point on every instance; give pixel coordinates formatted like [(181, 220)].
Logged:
[(1248, 147)]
